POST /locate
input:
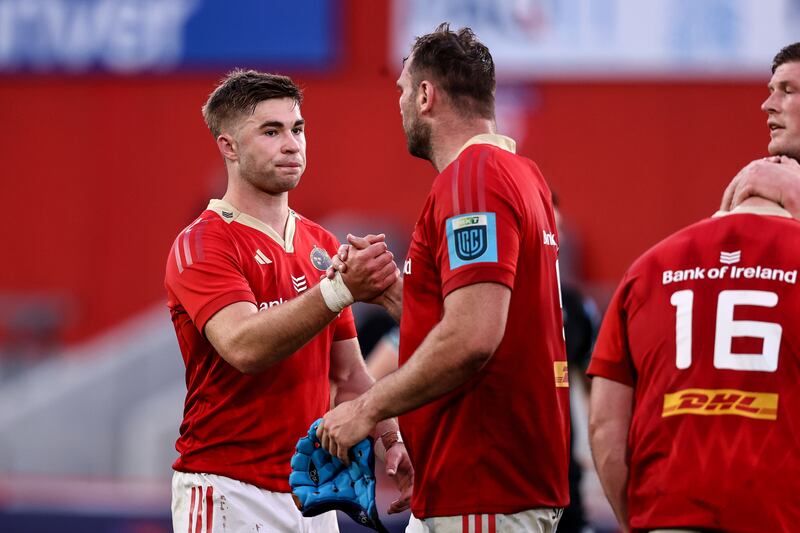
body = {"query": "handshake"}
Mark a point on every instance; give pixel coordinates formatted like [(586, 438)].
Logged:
[(362, 271)]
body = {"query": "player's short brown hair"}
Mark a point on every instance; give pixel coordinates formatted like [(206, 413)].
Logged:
[(461, 64), (788, 54), (241, 91)]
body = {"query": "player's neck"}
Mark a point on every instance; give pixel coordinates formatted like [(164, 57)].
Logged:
[(757, 201), (451, 135), (272, 210)]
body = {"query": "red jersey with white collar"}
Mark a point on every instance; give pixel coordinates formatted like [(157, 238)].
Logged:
[(706, 327), (237, 425), (499, 443)]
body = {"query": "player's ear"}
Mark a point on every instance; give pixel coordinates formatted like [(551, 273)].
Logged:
[(426, 95), (228, 147)]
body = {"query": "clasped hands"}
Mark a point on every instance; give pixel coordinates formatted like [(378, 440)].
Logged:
[(366, 266)]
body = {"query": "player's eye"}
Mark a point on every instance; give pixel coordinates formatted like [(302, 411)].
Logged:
[(271, 133), (297, 131)]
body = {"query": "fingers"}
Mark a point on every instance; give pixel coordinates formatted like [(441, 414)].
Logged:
[(786, 160), (330, 444), (727, 196), (363, 242), (400, 505), (742, 193), (338, 262), (343, 252), (392, 460), (388, 275), (338, 265)]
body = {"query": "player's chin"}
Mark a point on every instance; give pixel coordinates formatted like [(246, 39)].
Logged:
[(285, 182)]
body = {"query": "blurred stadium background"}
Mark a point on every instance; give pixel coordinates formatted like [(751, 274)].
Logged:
[(638, 113)]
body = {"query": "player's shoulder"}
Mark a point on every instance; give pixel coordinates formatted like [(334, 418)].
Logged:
[(207, 223), (485, 164), (708, 234)]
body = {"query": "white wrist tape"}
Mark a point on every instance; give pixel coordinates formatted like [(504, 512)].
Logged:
[(335, 293)]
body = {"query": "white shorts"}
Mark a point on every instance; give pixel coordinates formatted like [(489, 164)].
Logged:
[(206, 503), (533, 520)]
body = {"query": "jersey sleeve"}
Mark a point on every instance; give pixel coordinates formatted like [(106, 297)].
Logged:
[(611, 358), (203, 273), (477, 225)]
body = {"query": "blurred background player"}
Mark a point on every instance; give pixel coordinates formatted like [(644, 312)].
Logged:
[(581, 320), (696, 369), (259, 333), (483, 379)]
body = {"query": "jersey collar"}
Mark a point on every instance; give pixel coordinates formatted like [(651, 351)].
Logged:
[(500, 141), (770, 210), (229, 214)]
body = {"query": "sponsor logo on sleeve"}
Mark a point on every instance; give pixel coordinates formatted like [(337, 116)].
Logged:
[(710, 402), (471, 238)]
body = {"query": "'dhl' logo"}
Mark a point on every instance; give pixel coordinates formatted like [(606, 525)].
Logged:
[(471, 241)]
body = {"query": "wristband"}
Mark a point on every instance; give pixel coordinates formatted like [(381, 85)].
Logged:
[(335, 293), (390, 438)]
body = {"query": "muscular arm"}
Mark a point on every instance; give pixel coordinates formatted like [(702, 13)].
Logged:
[(350, 375), (392, 300), (383, 359), (454, 351), (252, 341), (611, 404)]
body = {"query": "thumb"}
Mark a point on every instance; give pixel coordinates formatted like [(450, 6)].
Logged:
[(727, 196), (392, 460)]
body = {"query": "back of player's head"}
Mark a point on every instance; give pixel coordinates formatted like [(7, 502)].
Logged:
[(788, 54), (241, 91), (461, 64)]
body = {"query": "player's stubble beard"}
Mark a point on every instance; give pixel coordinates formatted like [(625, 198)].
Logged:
[(418, 138)]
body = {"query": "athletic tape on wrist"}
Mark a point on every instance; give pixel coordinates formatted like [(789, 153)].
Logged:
[(390, 438), (335, 293)]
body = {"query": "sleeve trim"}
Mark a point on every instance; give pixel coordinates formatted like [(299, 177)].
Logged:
[(494, 274), (214, 306), (615, 371)]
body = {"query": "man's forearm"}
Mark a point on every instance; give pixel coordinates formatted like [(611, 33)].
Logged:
[(349, 374), (610, 413), (273, 334), (439, 365), (608, 451), (392, 300)]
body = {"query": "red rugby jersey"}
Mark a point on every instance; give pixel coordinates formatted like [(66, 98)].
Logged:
[(706, 327), (237, 425), (499, 443)]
